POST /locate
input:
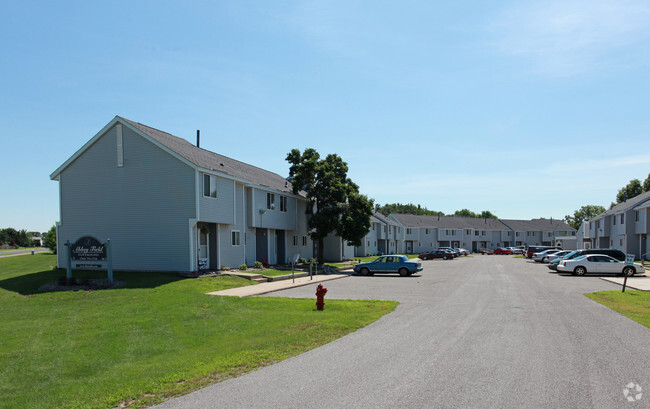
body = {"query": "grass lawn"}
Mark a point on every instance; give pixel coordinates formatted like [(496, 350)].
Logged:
[(22, 248), (632, 304), (157, 337)]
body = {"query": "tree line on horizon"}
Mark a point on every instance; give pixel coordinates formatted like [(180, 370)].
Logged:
[(410, 208)]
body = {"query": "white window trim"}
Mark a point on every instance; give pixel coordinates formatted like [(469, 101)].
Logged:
[(213, 186), (235, 234)]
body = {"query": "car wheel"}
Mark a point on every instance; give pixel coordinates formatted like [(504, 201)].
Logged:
[(629, 271), (364, 272), (580, 271), (426, 258), (403, 272), (444, 257)]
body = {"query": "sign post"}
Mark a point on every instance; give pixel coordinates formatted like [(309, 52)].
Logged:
[(629, 260), (109, 253)]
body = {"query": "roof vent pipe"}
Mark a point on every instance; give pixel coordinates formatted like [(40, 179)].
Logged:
[(198, 138)]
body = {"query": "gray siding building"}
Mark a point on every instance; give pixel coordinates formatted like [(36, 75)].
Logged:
[(168, 205)]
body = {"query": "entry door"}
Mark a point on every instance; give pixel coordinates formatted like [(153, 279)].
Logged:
[(409, 247), (279, 245), (204, 250)]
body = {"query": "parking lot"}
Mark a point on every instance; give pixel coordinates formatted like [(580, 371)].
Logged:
[(480, 331)]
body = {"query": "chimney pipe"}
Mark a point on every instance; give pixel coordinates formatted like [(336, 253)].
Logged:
[(198, 138)]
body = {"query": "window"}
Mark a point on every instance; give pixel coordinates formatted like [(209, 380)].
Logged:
[(426, 231), (622, 218), (295, 241), (476, 232), (621, 242), (368, 243), (450, 232), (234, 238), (209, 186), (517, 234), (270, 201), (373, 226), (636, 215), (468, 232), (283, 203), (409, 230), (614, 220), (304, 241), (482, 232), (598, 224)]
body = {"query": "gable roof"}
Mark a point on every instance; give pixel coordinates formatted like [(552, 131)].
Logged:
[(451, 222), (194, 156), (537, 225), (627, 205)]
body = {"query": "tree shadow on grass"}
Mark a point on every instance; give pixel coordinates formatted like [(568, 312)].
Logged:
[(29, 284)]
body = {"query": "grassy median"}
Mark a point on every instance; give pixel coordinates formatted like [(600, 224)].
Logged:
[(157, 337), (632, 304)]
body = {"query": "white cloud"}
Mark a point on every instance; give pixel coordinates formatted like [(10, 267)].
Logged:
[(568, 37)]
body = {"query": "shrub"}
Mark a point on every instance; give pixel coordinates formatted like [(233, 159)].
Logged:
[(312, 261), (243, 267), (258, 265), (303, 261), (225, 268)]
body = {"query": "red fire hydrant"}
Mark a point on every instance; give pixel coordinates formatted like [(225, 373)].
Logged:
[(320, 293)]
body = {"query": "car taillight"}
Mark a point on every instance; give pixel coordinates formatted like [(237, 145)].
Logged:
[(563, 264)]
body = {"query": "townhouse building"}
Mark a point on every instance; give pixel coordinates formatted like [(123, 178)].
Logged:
[(624, 227), (424, 233), (542, 232), (168, 205), (384, 237)]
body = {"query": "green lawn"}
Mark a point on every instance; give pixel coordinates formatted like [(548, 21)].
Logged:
[(160, 336), (632, 304), (22, 248)]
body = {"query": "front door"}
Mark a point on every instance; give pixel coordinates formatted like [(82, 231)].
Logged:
[(204, 250), (409, 247), (261, 246)]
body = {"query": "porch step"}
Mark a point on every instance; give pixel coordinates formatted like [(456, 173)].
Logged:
[(260, 280)]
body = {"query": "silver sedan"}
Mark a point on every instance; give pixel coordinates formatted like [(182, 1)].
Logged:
[(598, 263)]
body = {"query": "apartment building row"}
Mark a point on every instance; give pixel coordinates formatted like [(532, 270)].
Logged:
[(625, 227), (168, 205), (407, 233)]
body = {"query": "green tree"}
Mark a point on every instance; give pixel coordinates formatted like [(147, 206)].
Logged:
[(465, 213), (582, 214), (629, 191), (486, 214), (335, 204), (50, 239), (398, 208), (646, 184)]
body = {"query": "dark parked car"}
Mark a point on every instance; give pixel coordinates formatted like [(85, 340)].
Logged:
[(617, 254), (531, 250), (502, 250), (389, 264), (454, 252), (430, 255)]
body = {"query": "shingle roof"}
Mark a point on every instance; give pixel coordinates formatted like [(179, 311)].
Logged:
[(213, 161), (383, 219), (537, 225), (412, 220), (627, 205)]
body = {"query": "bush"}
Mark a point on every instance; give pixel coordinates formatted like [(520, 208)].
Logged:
[(258, 265), (303, 261), (243, 267), (225, 268), (312, 261)]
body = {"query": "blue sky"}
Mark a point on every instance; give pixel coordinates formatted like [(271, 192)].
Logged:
[(527, 109)]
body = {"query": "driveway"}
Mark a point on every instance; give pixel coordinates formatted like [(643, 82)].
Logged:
[(478, 332)]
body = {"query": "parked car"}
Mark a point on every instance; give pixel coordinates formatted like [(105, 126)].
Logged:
[(531, 250), (538, 257), (463, 252), (430, 255), (502, 250), (453, 251), (598, 263), (559, 254), (617, 254), (389, 264)]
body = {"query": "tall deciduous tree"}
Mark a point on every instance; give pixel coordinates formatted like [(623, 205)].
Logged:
[(630, 190), (582, 214), (646, 184), (335, 204), (50, 239)]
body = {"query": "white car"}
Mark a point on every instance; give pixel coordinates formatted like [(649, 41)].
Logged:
[(538, 257), (598, 263), (549, 258), (516, 250)]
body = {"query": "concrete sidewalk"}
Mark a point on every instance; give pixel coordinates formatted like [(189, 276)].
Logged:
[(263, 288), (641, 283)]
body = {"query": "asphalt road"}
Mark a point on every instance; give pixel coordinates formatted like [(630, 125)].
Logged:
[(475, 332)]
